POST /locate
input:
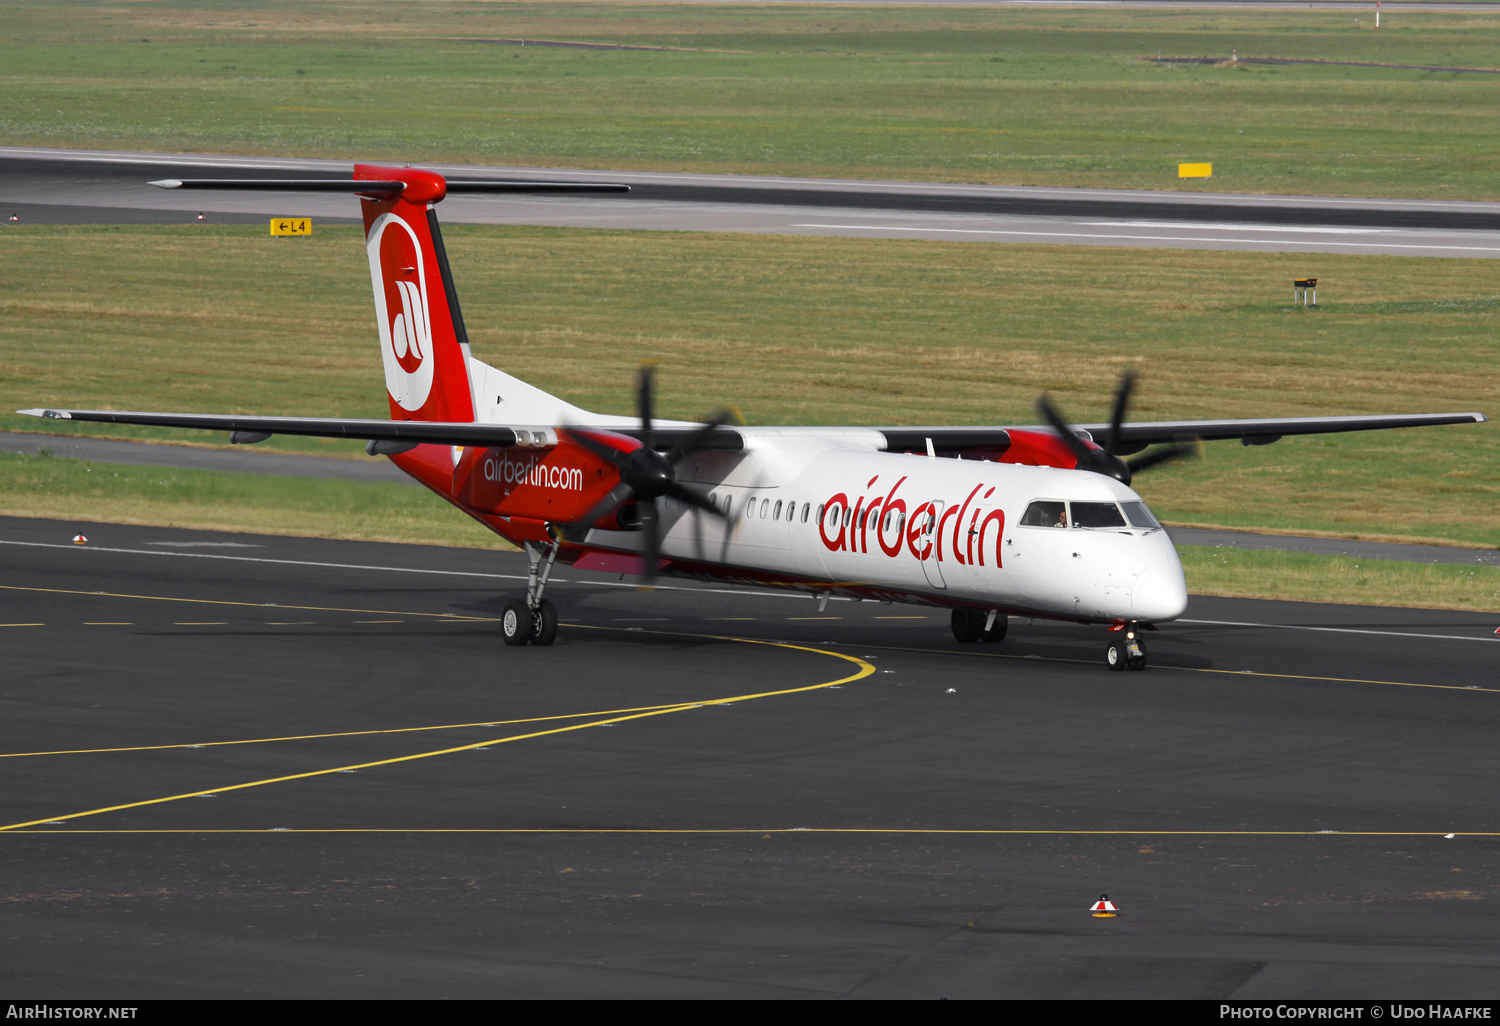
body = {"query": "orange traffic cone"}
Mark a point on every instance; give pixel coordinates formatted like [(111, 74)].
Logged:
[(1104, 908), (79, 539)]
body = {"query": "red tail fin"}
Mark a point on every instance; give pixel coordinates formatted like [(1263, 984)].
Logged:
[(422, 338)]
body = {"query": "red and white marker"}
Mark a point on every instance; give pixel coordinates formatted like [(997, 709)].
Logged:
[(13, 217), (1104, 908), (79, 539)]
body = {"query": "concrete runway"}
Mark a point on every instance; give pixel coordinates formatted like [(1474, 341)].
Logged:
[(401, 806), (52, 186)]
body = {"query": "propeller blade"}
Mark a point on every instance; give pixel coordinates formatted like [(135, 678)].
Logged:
[(698, 535), (643, 383), (695, 441), (617, 496), (594, 446), (731, 528), (1167, 455), (1117, 417), (1068, 435), (651, 529), (694, 498)]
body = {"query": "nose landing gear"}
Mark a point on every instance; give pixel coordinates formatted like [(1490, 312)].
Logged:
[(1127, 649), (532, 619)]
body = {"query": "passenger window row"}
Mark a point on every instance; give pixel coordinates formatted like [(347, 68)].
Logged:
[(764, 510)]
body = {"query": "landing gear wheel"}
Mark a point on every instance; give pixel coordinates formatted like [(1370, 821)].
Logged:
[(967, 625), (997, 632), (544, 624), (1114, 655), (516, 623)]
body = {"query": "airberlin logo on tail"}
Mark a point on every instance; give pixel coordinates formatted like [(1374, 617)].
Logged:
[(402, 312), (532, 472)]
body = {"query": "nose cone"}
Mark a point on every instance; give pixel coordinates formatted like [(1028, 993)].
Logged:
[(1161, 595)]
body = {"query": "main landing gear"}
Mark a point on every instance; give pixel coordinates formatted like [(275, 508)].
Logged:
[(533, 619), (1126, 649), (971, 625)]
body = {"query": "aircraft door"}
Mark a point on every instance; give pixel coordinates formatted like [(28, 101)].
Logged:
[(927, 542)]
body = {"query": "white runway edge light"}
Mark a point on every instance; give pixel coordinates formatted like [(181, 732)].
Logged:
[(1104, 908)]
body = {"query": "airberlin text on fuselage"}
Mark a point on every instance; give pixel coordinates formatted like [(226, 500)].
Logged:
[(923, 530), (532, 472)]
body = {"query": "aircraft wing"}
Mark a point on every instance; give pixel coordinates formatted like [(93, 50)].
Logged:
[(945, 438), (1137, 436), (435, 432)]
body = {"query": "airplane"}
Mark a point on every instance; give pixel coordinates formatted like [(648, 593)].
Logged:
[(988, 522)]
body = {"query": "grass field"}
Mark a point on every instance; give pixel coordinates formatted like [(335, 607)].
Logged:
[(820, 331), (1017, 96), (65, 489)]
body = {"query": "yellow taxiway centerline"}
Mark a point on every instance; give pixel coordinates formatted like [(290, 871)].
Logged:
[(865, 670)]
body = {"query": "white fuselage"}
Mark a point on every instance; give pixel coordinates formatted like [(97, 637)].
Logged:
[(915, 529)]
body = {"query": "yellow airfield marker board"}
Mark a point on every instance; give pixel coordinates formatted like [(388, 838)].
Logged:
[(1195, 170), (291, 226)]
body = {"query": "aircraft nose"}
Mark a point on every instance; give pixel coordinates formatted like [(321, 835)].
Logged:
[(1161, 595)]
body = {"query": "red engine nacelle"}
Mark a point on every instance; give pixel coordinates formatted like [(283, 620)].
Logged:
[(1041, 449)]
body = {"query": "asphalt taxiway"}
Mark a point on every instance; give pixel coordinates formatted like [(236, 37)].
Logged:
[(250, 765), (56, 186)]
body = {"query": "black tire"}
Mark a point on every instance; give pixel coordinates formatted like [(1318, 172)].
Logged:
[(1114, 655), (515, 623), (997, 632), (967, 625), (544, 624)]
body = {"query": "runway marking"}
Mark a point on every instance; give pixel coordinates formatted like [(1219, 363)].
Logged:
[(1148, 238), (892, 648), (1341, 630), (344, 733), (456, 617), (865, 670), (1228, 226), (404, 570), (719, 831), (1184, 669)]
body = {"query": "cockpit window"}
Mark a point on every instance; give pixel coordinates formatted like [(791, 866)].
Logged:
[(1045, 513), (1097, 514), (1139, 515)]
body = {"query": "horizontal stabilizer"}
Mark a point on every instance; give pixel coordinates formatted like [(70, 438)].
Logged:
[(381, 187)]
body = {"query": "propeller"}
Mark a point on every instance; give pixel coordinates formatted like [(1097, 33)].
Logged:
[(1103, 460), (647, 475)]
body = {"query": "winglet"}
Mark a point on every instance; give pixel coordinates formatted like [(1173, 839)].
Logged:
[(167, 183), (49, 414)]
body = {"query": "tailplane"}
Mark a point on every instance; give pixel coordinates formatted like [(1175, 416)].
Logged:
[(429, 372)]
